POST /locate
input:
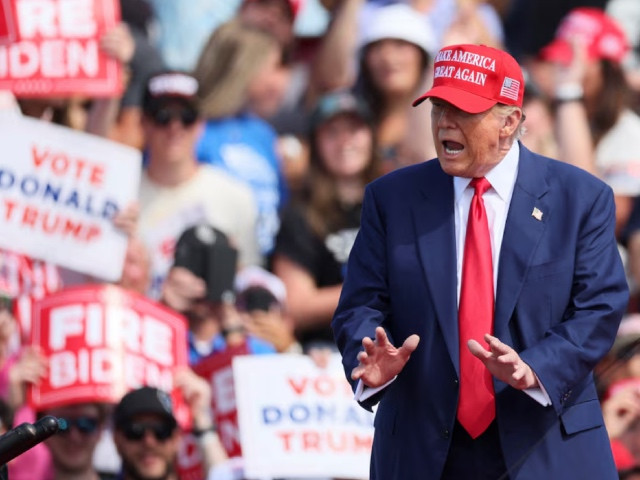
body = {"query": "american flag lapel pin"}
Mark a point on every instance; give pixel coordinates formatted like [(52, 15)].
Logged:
[(537, 214)]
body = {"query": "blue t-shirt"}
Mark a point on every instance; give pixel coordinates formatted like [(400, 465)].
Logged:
[(245, 146), (256, 346)]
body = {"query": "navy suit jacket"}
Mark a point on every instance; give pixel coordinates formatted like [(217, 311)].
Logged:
[(560, 295)]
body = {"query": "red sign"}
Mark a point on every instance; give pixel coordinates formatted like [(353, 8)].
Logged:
[(56, 49), (7, 22), (190, 462), (102, 341), (217, 370)]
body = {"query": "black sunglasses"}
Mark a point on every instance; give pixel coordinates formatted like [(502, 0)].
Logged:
[(137, 431), (84, 425), (164, 116)]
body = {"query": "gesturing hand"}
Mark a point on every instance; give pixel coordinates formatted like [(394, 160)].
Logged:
[(381, 361), (504, 363)]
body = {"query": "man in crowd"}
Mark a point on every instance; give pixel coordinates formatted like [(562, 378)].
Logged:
[(176, 191), (146, 435), (72, 448)]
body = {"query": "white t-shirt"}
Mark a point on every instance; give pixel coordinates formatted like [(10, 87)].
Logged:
[(618, 155), (211, 196)]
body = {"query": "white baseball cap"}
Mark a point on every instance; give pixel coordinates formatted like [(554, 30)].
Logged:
[(401, 22)]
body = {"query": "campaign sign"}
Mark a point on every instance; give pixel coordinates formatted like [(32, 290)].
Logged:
[(59, 189), (217, 370), (101, 341), (190, 463), (297, 420), (7, 22), (57, 49)]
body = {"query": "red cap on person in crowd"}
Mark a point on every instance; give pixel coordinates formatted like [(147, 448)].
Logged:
[(294, 6), (475, 77), (602, 36)]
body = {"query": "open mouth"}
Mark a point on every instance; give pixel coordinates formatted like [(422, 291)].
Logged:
[(452, 148)]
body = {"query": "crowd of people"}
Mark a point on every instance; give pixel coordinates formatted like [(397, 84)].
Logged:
[(258, 147)]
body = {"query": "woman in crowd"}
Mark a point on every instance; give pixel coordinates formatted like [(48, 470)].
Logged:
[(394, 56), (596, 127), (239, 75), (319, 227)]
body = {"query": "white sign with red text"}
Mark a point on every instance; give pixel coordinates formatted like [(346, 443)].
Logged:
[(59, 189), (296, 419), (52, 48), (101, 341)]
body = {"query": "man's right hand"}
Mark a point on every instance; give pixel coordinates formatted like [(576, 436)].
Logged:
[(381, 361)]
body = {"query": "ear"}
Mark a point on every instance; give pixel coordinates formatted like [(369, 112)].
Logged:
[(511, 123)]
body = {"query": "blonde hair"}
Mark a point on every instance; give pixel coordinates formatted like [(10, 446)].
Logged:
[(228, 63)]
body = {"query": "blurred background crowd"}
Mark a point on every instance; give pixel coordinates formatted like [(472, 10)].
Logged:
[(260, 123)]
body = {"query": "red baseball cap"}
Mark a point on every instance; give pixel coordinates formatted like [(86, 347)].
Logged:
[(475, 77), (603, 37), (294, 6)]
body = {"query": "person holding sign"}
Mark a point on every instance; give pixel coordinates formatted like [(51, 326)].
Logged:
[(487, 285)]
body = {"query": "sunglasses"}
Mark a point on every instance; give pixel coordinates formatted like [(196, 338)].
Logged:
[(164, 116), (84, 425), (137, 431)]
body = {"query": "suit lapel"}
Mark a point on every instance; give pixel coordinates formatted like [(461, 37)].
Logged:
[(524, 227), (435, 233)]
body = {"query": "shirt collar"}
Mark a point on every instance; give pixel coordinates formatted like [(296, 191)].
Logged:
[(502, 177)]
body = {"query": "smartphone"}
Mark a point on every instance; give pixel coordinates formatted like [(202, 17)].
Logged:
[(206, 252)]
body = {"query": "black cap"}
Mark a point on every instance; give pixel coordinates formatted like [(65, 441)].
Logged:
[(144, 401), (257, 298), (206, 252), (170, 86)]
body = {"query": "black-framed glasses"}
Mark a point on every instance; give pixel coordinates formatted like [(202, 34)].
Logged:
[(136, 431), (164, 116), (84, 425)]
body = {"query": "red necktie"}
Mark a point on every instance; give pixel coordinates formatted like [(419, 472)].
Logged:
[(476, 406)]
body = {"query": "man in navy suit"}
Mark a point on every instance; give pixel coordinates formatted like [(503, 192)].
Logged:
[(560, 292)]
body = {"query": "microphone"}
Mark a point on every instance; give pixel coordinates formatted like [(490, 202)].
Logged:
[(25, 436)]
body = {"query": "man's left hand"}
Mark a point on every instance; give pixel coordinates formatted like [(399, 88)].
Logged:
[(504, 363)]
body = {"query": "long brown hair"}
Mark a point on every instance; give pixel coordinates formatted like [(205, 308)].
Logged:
[(229, 61), (369, 91), (611, 101), (323, 206)]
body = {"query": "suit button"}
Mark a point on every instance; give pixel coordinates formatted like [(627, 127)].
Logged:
[(445, 433), (456, 381)]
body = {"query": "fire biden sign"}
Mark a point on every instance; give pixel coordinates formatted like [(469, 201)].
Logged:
[(52, 48), (101, 341)]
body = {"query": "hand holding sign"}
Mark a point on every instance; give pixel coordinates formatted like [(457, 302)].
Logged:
[(118, 43), (29, 369)]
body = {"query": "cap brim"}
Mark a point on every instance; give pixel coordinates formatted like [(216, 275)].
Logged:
[(557, 51), (465, 101), (156, 103)]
